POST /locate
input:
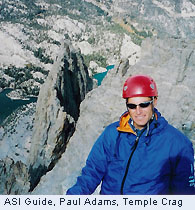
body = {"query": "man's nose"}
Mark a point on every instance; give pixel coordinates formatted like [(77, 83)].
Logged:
[(138, 109)]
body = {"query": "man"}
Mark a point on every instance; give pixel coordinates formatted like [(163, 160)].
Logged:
[(140, 154)]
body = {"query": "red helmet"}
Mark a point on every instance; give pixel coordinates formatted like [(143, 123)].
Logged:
[(139, 86)]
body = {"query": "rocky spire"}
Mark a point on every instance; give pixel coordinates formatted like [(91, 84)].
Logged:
[(57, 110)]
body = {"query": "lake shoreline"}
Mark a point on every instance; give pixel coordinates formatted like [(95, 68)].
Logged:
[(9, 104)]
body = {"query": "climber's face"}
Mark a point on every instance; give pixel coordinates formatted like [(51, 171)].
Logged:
[(141, 110)]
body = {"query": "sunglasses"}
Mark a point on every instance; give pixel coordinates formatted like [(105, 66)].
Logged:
[(142, 105)]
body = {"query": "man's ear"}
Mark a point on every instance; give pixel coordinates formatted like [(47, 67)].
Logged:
[(155, 101)]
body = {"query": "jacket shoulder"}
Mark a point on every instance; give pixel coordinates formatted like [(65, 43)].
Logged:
[(110, 133), (112, 129), (113, 125)]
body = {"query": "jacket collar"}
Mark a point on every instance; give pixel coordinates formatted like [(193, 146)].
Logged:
[(124, 125)]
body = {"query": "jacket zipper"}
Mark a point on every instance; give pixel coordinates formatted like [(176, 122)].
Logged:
[(129, 161), (128, 164)]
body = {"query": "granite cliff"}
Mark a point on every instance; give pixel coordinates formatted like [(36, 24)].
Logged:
[(58, 110)]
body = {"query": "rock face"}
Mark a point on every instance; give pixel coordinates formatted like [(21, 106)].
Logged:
[(13, 177), (170, 62), (57, 111)]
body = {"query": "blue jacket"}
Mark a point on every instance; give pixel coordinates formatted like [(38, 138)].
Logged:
[(159, 161)]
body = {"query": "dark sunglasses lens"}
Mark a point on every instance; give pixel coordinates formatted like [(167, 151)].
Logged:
[(145, 104), (142, 105), (131, 106)]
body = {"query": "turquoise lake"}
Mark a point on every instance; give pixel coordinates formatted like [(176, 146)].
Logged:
[(100, 76), (7, 105)]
